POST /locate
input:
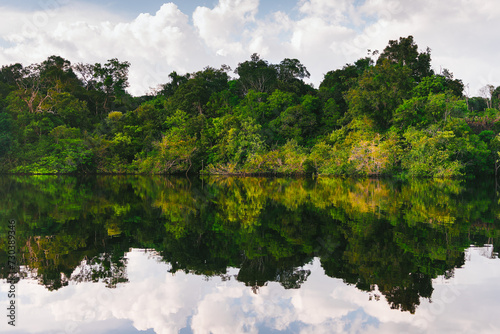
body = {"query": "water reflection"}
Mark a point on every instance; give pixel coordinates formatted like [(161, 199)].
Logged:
[(260, 241)]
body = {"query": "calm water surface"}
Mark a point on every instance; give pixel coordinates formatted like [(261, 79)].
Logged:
[(116, 254)]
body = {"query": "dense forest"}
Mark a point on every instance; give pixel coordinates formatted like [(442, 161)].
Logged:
[(386, 114)]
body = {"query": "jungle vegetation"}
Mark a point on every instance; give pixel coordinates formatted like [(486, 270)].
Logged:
[(386, 114)]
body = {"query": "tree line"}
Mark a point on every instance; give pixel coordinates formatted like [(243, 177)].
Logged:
[(386, 114)]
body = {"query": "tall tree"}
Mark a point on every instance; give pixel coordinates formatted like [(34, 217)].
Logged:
[(334, 88), (257, 74), (291, 73), (405, 53), (495, 98), (192, 95), (487, 93), (379, 92), (112, 80), (32, 89), (176, 80), (456, 86), (58, 73)]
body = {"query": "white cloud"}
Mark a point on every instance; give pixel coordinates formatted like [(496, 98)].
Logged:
[(459, 33), (322, 34), (154, 44), (156, 299), (220, 27), (334, 11)]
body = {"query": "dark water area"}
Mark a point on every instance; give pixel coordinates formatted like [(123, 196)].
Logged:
[(142, 254)]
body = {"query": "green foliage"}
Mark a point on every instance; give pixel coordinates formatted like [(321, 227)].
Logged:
[(405, 53), (434, 84), (495, 98), (176, 80), (72, 111), (366, 119), (236, 138), (5, 134), (256, 74), (335, 86), (254, 105), (66, 155), (288, 159), (362, 151), (112, 80), (290, 75), (381, 89), (175, 151), (447, 153), (115, 116), (192, 95), (296, 123), (426, 110)]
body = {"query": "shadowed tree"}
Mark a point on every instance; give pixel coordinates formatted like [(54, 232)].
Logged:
[(192, 95), (380, 90), (176, 80), (257, 74), (405, 53), (335, 86)]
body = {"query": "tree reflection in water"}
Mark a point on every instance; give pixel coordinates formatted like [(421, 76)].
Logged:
[(392, 236)]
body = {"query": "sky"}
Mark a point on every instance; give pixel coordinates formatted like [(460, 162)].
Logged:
[(156, 301), (159, 37)]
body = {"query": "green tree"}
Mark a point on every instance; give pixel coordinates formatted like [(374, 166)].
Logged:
[(111, 80), (174, 153), (9, 75), (257, 74), (32, 90), (432, 109), (455, 86), (236, 138), (58, 73), (193, 95), (495, 98), (6, 136), (405, 53), (380, 90), (291, 73), (176, 80), (297, 123), (334, 88), (450, 152)]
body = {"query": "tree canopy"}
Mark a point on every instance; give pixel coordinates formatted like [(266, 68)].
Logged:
[(391, 115)]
